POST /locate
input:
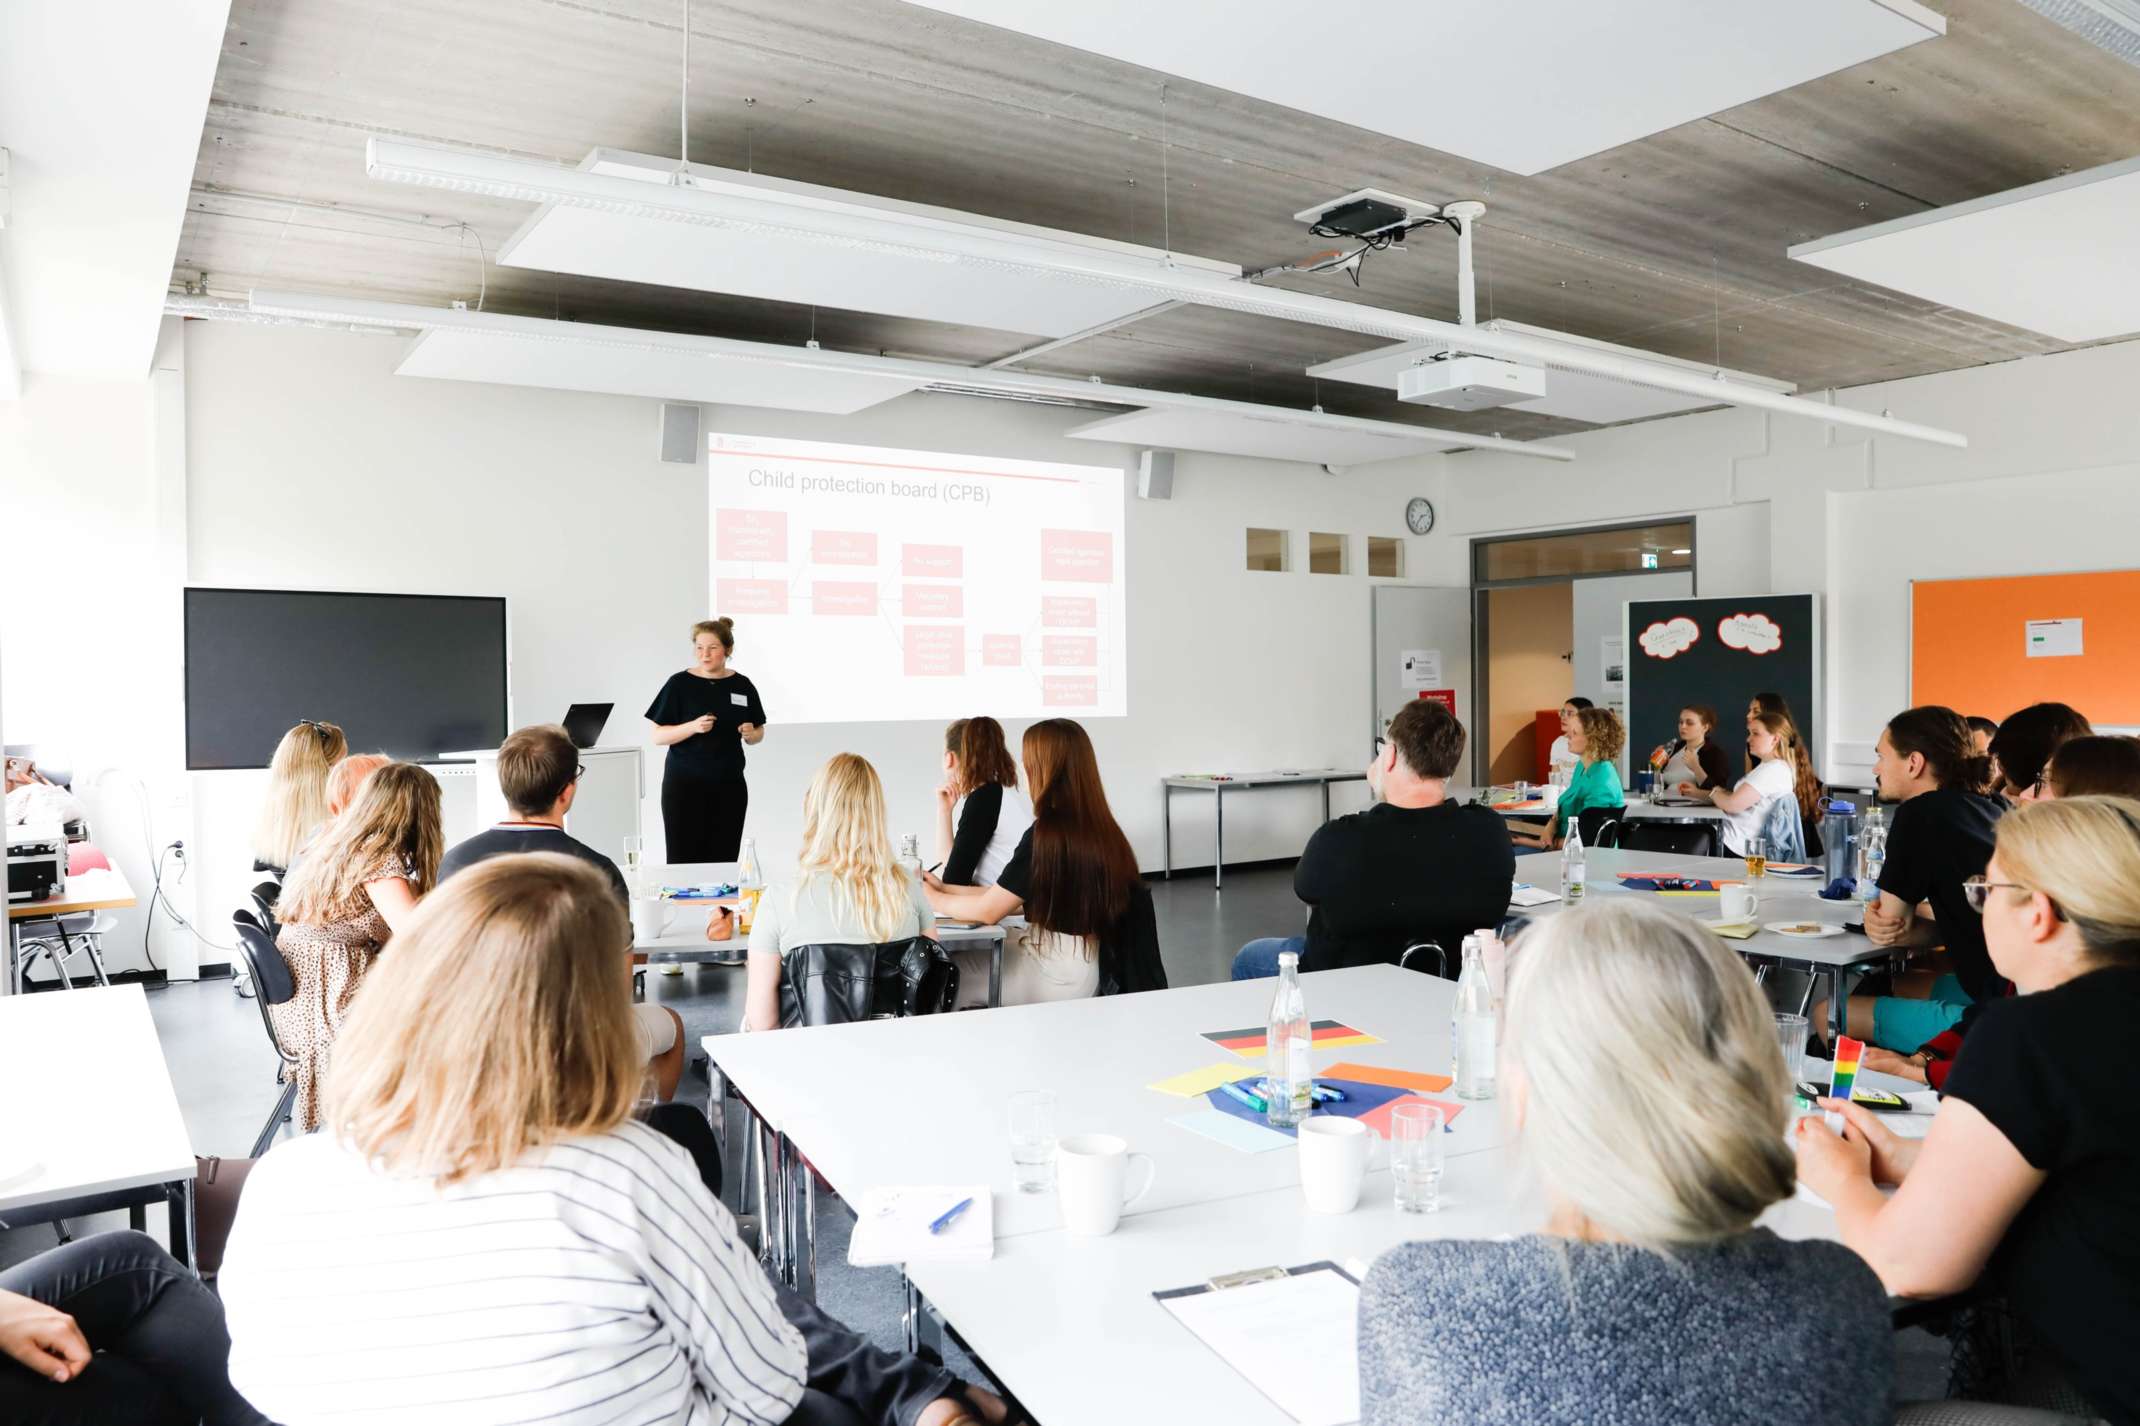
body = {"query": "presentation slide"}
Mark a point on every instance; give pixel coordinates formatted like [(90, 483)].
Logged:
[(869, 585)]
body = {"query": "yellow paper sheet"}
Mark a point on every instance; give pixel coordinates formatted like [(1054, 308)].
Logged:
[(1203, 1081)]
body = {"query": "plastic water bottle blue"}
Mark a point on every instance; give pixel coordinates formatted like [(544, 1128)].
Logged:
[(1288, 1043)]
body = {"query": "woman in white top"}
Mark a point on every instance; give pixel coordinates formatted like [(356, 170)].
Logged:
[(1560, 762), (849, 887), (485, 1235), (1748, 807), (980, 793)]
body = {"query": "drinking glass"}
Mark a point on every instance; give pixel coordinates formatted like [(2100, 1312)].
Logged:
[(649, 1095), (634, 858), (1756, 860), (1416, 1156), (1033, 1140), (1791, 1039)]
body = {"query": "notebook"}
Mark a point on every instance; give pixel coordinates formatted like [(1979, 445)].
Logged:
[(892, 1226)]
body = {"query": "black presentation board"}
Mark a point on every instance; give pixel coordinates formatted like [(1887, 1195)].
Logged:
[(409, 675), (1720, 652)]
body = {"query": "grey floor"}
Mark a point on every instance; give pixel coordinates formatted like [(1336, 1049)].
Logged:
[(224, 1072)]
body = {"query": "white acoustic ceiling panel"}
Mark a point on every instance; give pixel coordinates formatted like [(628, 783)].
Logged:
[(756, 236), (1575, 395), (669, 371), (1280, 435), (1524, 85), (2061, 257)]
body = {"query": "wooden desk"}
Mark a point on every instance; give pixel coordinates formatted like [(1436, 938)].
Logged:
[(102, 889)]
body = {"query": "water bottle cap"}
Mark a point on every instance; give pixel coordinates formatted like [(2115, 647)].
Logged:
[(1837, 804), (1289, 958)]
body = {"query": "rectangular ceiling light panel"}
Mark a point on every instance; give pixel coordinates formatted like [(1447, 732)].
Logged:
[(1524, 85), (1307, 438), (756, 236), (2058, 257), (1575, 395), (662, 372)]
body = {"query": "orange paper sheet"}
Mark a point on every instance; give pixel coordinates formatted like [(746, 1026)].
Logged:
[(1378, 1118), (1395, 1078)]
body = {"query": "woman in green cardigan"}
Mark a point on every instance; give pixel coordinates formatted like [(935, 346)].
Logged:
[(1596, 738)]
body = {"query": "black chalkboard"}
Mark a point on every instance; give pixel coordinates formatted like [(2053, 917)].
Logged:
[(1720, 652)]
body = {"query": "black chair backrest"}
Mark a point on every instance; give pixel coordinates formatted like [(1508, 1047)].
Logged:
[(1591, 822), (836, 984), (246, 916), (268, 892), (264, 913), (1129, 959), (1694, 839), (272, 982)]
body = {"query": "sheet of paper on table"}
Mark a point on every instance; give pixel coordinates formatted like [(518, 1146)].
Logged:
[(1292, 1338)]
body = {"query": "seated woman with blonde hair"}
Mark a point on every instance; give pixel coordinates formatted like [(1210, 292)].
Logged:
[(484, 1234), (356, 888), (2030, 1176), (1642, 1086), (849, 888), (296, 801)]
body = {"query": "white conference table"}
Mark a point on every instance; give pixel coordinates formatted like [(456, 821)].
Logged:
[(98, 889), (1783, 899), (925, 1099), (1068, 1323), (1218, 785), (685, 943), (90, 1121)]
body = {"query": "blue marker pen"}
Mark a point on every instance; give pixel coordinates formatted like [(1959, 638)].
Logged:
[(950, 1215)]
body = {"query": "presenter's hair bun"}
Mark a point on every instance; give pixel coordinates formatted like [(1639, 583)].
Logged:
[(723, 629)]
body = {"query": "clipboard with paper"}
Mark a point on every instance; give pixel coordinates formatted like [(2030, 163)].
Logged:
[(1290, 1332)]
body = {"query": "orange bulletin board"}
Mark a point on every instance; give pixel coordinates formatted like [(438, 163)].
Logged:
[(1969, 644)]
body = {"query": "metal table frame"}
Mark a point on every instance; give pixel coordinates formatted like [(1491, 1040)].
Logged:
[(1218, 787)]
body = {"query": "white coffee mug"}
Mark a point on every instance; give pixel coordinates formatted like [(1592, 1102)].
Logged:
[(1091, 1172), (651, 917), (1334, 1153), (1737, 905)]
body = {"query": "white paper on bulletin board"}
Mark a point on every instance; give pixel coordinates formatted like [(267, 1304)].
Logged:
[(1612, 659), (2054, 638), (1422, 668)]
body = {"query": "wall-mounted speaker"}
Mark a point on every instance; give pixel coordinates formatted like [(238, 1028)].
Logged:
[(679, 433), (1155, 475)]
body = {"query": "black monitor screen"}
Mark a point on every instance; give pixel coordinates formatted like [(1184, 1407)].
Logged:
[(409, 675)]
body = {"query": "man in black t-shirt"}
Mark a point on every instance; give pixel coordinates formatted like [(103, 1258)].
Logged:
[(1413, 867), (539, 773)]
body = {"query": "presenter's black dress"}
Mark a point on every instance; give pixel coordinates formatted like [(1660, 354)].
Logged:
[(703, 795)]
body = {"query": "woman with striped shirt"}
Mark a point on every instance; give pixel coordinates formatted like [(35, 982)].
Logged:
[(484, 1234)]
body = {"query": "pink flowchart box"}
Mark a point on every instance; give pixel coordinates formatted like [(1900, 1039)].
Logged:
[(1001, 651), (751, 596), (750, 534), (1077, 554), (933, 601), (843, 547), (935, 650), (1069, 651), (1069, 611), (1069, 690), (937, 561), (835, 596)]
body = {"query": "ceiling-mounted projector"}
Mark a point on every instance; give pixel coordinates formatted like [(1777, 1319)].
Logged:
[(1470, 383)]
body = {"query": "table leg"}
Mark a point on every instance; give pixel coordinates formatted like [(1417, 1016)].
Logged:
[(1166, 832), (1838, 1003), (1218, 836), (995, 969), (1326, 799), (924, 1334), (802, 1257), (768, 1187), (184, 1241)]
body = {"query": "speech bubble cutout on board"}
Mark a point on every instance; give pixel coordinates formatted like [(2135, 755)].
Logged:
[(1753, 633), (1670, 638)]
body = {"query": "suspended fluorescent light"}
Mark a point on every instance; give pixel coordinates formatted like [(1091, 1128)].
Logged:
[(341, 311), (471, 171)]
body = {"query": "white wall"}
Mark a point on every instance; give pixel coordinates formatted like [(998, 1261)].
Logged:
[(310, 464), (2050, 482), (92, 661)]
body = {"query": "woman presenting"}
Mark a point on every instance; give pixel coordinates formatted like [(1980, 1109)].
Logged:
[(703, 716)]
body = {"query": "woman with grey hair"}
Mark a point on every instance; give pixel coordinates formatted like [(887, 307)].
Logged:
[(1646, 1094)]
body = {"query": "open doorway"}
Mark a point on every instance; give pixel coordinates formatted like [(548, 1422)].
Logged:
[(1549, 618)]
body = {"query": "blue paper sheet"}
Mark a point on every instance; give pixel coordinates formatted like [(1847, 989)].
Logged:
[(1359, 1099)]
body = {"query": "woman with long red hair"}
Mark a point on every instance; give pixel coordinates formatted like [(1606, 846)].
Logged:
[(1088, 916)]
